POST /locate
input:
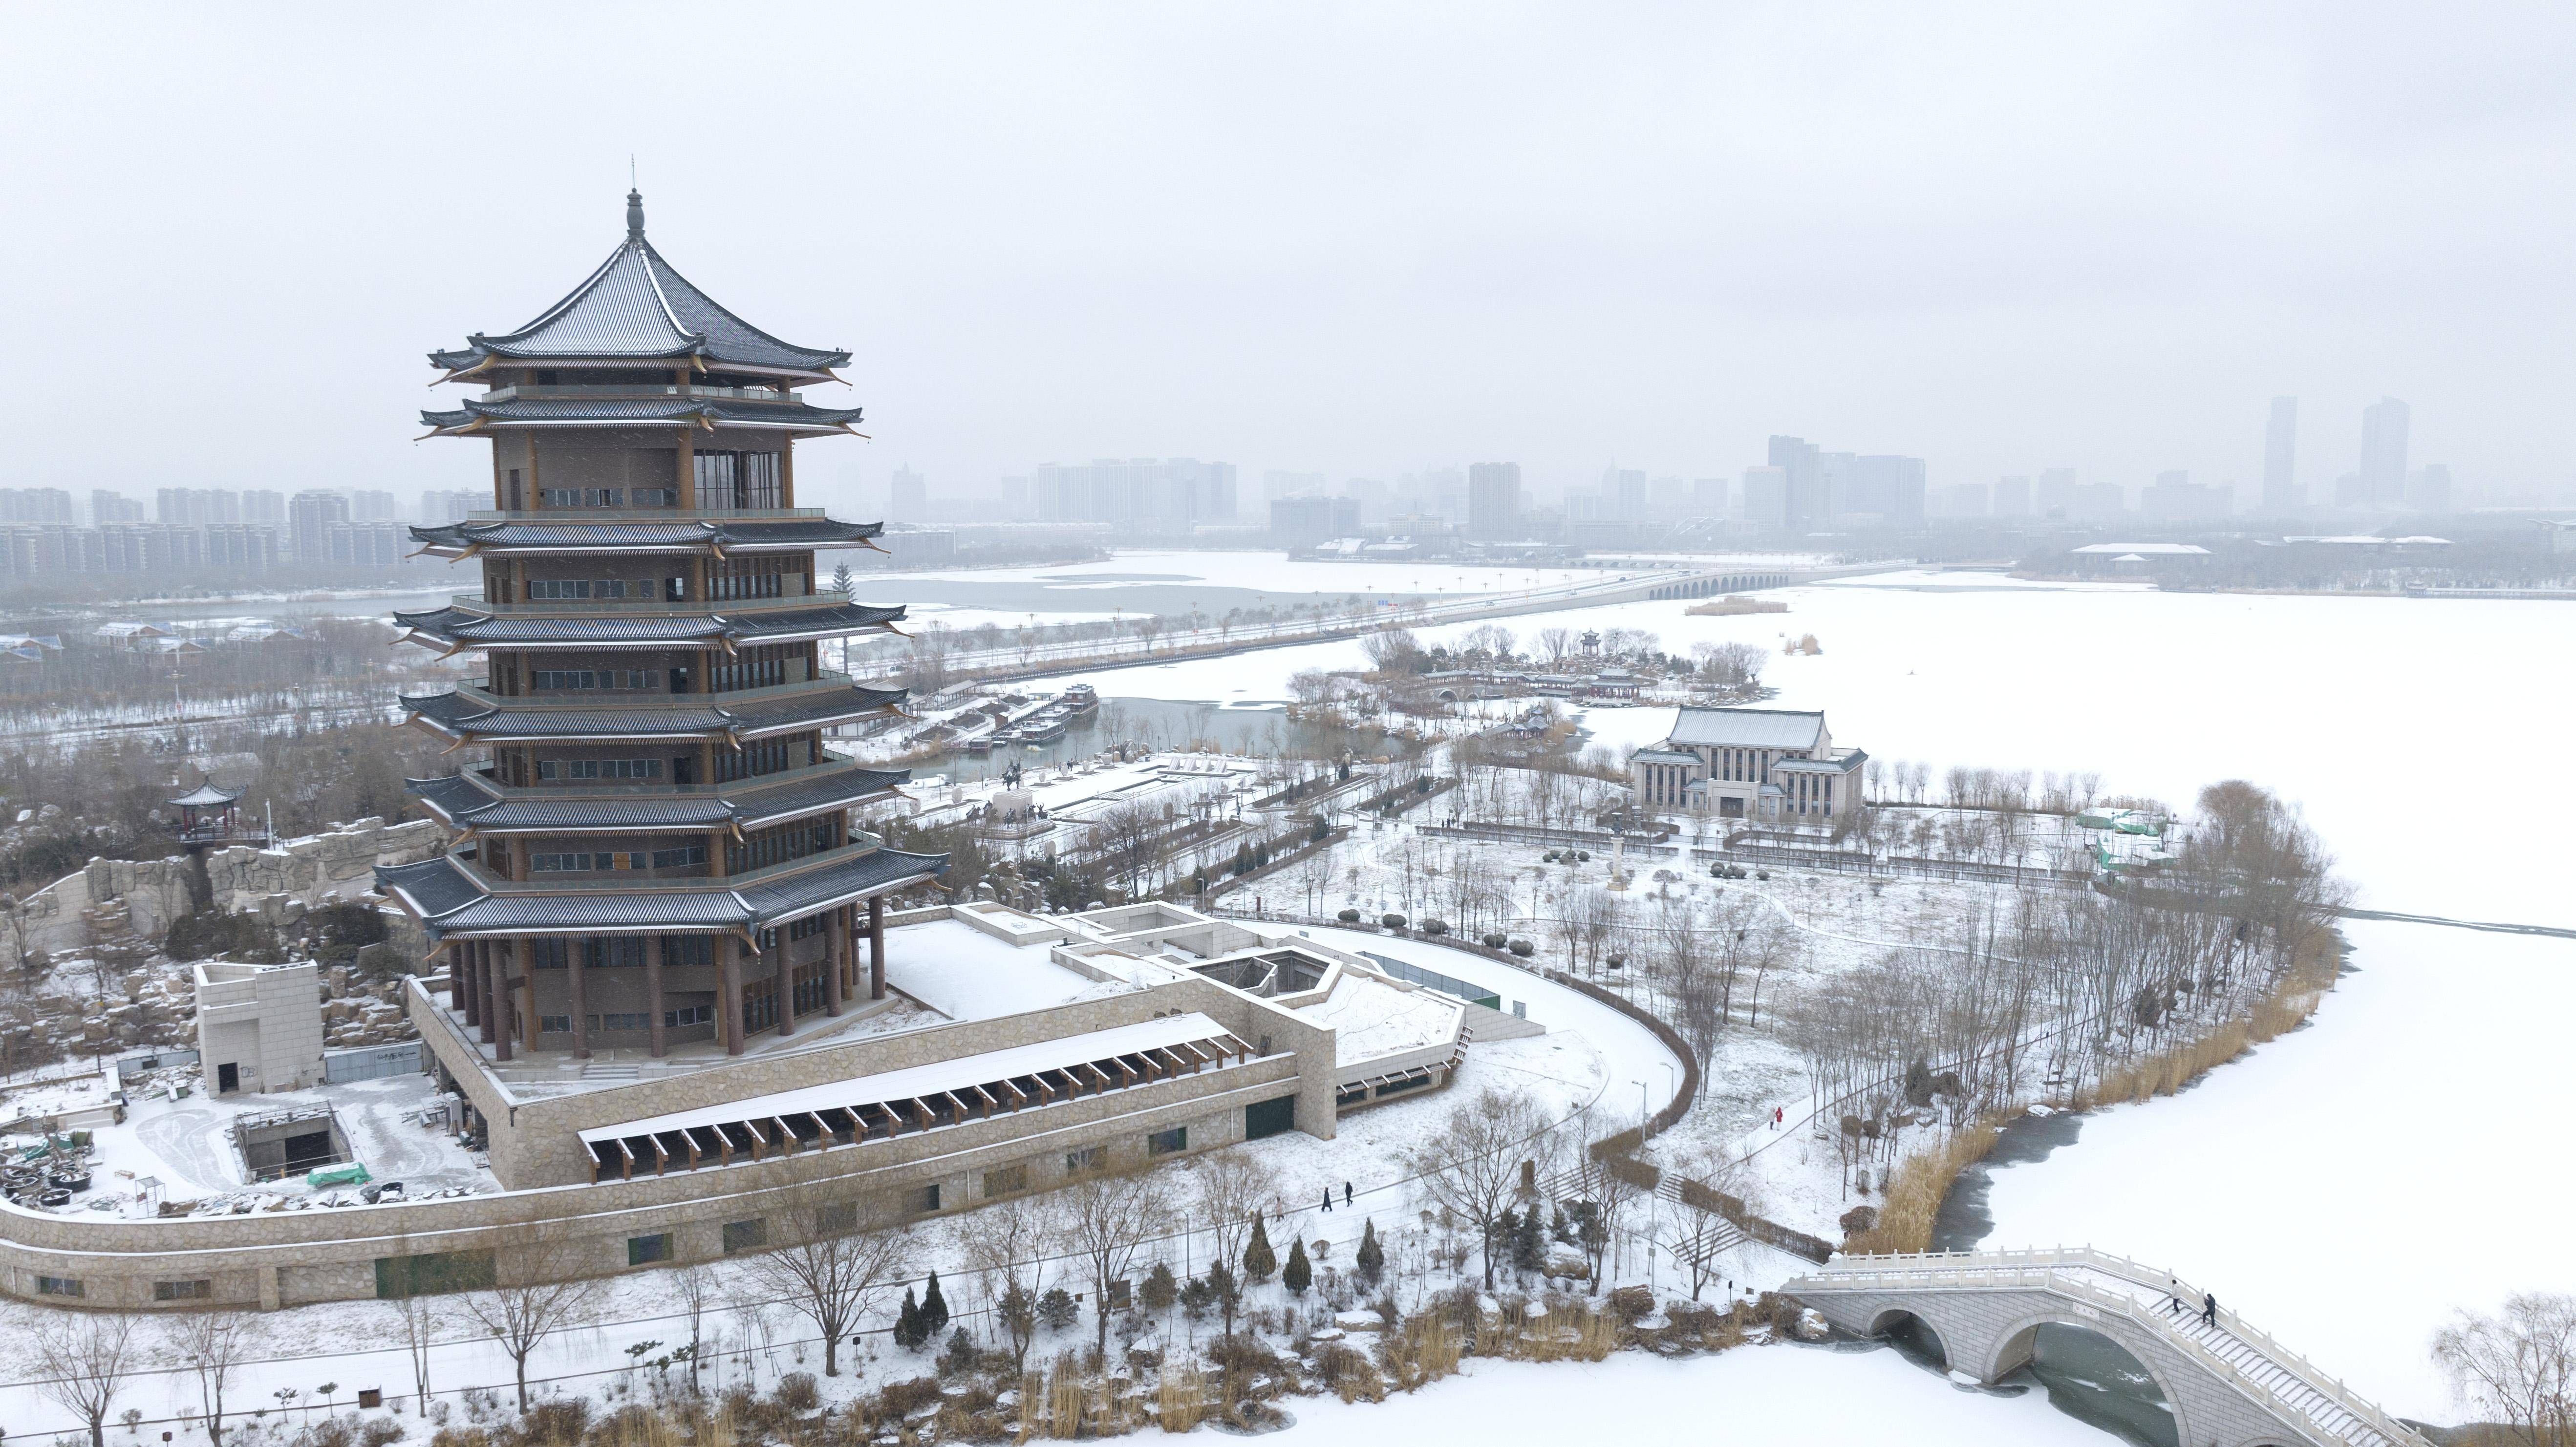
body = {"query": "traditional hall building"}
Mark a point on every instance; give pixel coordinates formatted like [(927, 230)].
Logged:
[(654, 850), (1748, 763)]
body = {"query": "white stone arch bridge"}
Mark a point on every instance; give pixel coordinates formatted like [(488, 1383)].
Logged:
[(2229, 1385)]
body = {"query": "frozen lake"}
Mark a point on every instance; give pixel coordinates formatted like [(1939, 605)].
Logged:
[(2352, 1184)]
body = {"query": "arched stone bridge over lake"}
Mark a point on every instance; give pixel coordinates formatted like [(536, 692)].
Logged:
[(2228, 1385)]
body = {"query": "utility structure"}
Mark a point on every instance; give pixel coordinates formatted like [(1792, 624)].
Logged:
[(654, 851)]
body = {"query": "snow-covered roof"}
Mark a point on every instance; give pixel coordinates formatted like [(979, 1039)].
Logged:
[(1747, 728), (915, 1082)]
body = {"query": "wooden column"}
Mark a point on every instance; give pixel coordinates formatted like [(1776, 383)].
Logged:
[(786, 465), (653, 990), (833, 936), (469, 985), (487, 991), (876, 947), (782, 976), (497, 1028), (729, 993), (573, 951), (688, 481), (535, 500)]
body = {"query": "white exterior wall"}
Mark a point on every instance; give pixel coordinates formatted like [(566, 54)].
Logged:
[(265, 1021)]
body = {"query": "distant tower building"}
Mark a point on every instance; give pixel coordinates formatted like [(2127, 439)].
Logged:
[(2055, 494), (1494, 501), (909, 498), (1623, 493), (372, 507), (113, 507), (1766, 496), (2012, 497), (2383, 452), (309, 516), (262, 505), (1807, 502), (2281, 490), (2428, 489)]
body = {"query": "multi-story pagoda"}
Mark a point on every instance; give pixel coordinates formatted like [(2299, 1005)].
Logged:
[(656, 851)]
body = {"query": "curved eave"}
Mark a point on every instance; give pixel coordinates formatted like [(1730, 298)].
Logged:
[(451, 904)]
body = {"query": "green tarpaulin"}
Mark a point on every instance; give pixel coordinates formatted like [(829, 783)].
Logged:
[(349, 1175)]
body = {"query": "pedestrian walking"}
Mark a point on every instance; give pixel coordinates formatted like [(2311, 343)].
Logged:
[(1346, 1193), (2209, 1309), (1328, 1198)]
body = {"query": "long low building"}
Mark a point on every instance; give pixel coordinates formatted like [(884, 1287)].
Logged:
[(1011, 1052)]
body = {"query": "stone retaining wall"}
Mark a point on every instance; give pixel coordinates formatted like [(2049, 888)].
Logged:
[(278, 884)]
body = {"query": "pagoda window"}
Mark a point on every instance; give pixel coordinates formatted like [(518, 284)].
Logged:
[(737, 479), (680, 858), (777, 846), (583, 496), (765, 756), (594, 678), (557, 770), (603, 861)]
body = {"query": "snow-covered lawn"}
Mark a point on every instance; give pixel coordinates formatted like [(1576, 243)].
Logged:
[(1774, 1394)]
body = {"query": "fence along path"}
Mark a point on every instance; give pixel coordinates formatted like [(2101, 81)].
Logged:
[(2232, 1351)]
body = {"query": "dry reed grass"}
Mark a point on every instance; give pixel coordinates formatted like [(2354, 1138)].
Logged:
[(1181, 1400), (1913, 1195)]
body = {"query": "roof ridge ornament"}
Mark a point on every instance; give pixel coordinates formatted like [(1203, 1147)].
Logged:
[(634, 215)]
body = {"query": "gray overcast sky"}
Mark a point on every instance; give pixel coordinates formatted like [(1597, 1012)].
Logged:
[(1357, 239)]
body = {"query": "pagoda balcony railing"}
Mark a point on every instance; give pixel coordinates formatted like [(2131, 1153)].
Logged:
[(211, 833), (748, 789), (642, 514), (657, 607), (642, 389), (637, 879), (480, 691)]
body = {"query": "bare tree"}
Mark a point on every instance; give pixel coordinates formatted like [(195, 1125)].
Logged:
[(1605, 1188), (1107, 1217), (417, 1316), (1472, 1169), (830, 1275), (550, 1299), (84, 1359), (1695, 1237), (1007, 1243), (212, 1343), (2518, 1368), (1233, 1187), (696, 1286)]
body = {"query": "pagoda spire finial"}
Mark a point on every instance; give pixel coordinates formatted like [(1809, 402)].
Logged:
[(634, 215)]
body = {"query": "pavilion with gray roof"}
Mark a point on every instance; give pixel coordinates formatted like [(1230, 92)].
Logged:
[(1748, 763)]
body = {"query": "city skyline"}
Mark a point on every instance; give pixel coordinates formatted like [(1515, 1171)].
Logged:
[(2028, 240)]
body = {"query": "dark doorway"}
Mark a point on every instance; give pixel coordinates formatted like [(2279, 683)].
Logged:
[(1269, 1117), (227, 1078)]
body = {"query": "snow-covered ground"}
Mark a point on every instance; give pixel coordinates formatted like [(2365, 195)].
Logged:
[(2361, 1178), (1753, 1394)]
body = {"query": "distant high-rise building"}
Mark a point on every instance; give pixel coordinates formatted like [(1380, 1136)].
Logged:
[(2174, 497), (2428, 488), (2281, 490), (2096, 501), (908, 497), (450, 506), (1494, 501), (2383, 452), (1766, 496), (1668, 498), (309, 516), (1305, 520), (1623, 493), (1886, 488), (1806, 502), (1170, 493), (36, 505), (372, 507), (261, 505), (1708, 497), (2054, 496), (197, 506), (1276, 484), (2012, 497), (106, 506)]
